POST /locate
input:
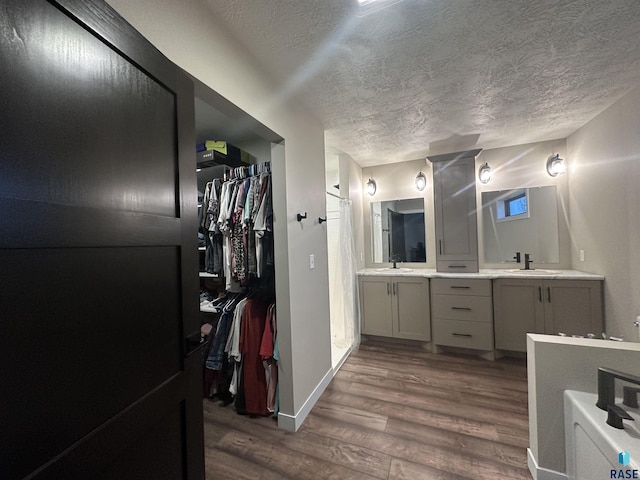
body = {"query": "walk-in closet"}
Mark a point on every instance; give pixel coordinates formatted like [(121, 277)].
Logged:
[(236, 258)]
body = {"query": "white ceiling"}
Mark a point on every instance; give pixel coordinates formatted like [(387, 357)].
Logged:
[(436, 76)]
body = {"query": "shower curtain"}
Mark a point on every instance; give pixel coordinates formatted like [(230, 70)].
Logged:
[(343, 288)]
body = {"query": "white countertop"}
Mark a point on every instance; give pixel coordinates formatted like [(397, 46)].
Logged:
[(487, 273)]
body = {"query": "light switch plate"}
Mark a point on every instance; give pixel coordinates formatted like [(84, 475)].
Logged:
[(582, 255), (312, 262)]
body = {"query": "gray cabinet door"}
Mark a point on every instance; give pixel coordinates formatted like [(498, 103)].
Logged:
[(455, 212), (518, 310), (411, 299), (376, 305), (573, 307)]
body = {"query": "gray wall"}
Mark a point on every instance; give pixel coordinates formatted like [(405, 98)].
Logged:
[(604, 179)]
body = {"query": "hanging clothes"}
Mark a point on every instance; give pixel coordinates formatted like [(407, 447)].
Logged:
[(253, 375)]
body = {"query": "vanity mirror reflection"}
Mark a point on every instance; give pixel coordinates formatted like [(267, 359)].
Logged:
[(520, 220), (398, 231)]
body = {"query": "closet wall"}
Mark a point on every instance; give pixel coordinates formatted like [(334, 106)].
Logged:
[(201, 45)]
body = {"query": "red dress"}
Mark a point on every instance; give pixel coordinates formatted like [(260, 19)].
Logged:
[(253, 377)]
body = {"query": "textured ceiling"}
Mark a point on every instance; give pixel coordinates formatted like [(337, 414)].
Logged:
[(435, 76)]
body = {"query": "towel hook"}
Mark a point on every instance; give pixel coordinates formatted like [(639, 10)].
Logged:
[(320, 220), (300, 217)]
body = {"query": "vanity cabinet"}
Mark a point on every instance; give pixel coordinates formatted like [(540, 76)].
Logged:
[(521, 306), (455, 211), (462, 313), (395, 306)]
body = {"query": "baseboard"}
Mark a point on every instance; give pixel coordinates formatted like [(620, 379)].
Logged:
[(292, 423), (542, 473), (341, 361)]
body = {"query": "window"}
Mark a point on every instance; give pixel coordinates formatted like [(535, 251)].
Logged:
[(514, 206)]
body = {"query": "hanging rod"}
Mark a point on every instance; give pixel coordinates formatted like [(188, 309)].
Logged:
[(337, 196)]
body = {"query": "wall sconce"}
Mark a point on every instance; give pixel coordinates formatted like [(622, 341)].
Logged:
[(371, 187), (555, 165), (421, 181), (484, 173)]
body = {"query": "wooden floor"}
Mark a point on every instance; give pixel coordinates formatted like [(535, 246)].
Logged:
[(391, 412)]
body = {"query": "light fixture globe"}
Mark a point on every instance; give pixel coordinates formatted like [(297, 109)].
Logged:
[(484, 173), (371, 187), (555, 165), (421, 181)]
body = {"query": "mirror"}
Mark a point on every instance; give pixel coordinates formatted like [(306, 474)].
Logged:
[(398, 231), (521, 220)]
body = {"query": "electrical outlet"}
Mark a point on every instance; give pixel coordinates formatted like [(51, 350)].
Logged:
[(582, 255), (312, 261)]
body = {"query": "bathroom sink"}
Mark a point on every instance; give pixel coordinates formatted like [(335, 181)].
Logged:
[(592, 447), (392, 270), (535, 271)]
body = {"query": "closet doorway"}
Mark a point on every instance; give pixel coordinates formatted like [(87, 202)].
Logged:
[(343, 294)]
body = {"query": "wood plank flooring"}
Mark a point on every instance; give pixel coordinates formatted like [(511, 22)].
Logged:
[(392, 412)]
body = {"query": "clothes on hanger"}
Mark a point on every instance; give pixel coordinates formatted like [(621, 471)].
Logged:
[(241, 362)]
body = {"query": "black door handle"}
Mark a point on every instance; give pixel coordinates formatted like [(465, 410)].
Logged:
[(193, 343)]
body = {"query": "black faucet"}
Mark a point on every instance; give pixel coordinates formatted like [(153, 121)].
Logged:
[(516, 257), (393, 258), (527, 262), (606, 384)]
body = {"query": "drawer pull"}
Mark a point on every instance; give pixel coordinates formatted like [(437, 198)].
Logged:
[(459, 286), (458, 266), (467, 309), (462, 335)]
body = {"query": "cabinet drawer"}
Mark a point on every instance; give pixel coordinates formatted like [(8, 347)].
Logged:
[(459, 333), (461, 286), (457, 266), (462, 307)]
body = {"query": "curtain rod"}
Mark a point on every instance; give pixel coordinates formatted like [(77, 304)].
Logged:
[(337, 196)]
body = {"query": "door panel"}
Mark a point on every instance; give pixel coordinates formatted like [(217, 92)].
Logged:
[(573, 307), (87, 102), (412, 307), (377, 316), (518, 310), (98, 283)]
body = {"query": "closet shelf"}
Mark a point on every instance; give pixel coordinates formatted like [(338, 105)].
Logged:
[(234, 158), (208, 275)]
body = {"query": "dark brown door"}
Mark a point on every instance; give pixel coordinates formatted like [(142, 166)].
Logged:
[(98, 263)]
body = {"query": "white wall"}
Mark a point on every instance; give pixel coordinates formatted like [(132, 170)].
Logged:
[(196, 41), (604, 178)]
